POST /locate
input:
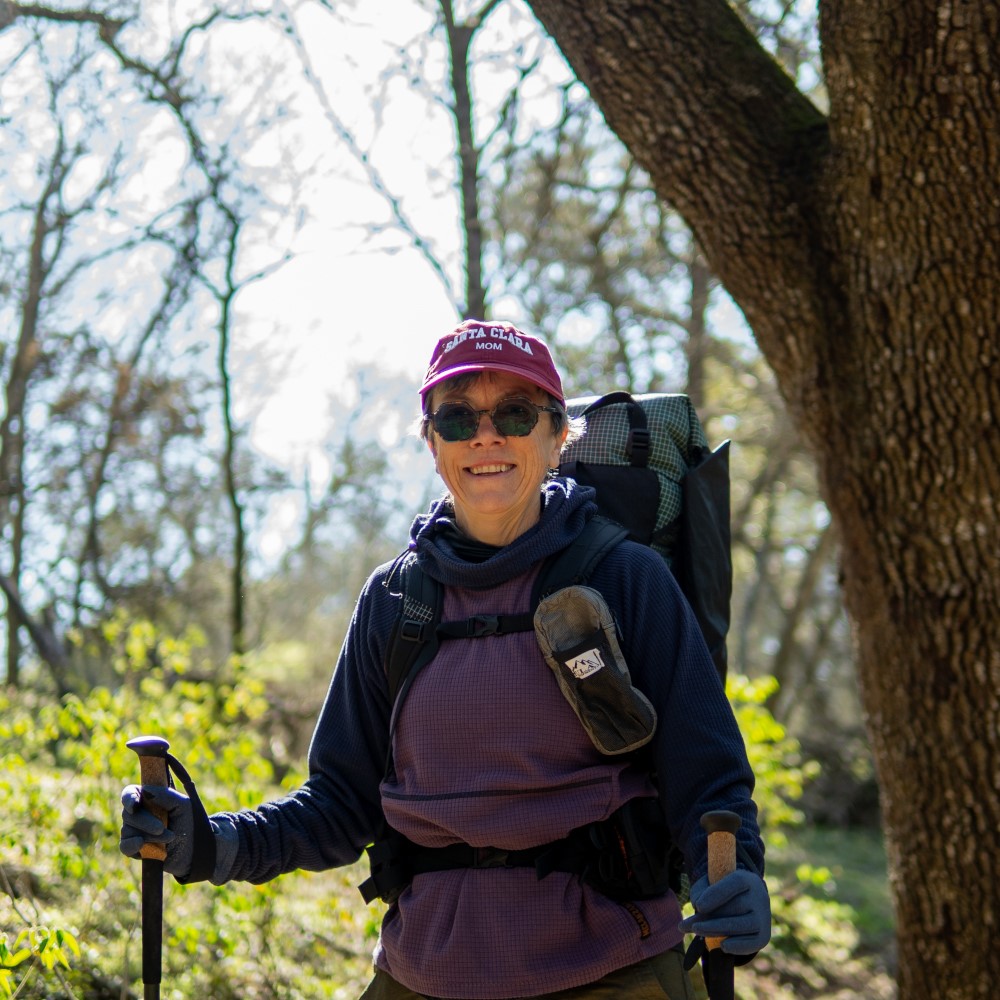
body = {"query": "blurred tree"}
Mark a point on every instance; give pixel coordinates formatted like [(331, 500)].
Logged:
[(471, 62), (861, 245), (75, 389), (133, 214), (460, 34)]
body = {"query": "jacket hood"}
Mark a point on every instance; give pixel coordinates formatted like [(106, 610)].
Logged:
[(566, 508)]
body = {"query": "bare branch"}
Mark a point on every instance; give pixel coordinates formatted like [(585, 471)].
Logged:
[(50, 649), (374, 177), (10, 12)]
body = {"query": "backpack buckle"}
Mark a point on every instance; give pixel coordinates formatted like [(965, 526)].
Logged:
[(490, 857), (412, 630), (637, 446), (481, 625)]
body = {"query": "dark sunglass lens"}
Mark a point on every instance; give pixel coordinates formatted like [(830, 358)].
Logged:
[(515, 418), (455, 421)]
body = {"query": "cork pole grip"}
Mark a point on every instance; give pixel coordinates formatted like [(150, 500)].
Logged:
[(721, 826), (152, 751)]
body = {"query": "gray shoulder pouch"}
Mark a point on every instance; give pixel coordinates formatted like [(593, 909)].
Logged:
[(576, 632)]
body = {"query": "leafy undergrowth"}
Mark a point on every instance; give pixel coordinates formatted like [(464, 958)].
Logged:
[(833, 921), (69, 902)]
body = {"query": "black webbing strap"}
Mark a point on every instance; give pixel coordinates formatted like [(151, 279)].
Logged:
[(627, 856), (566, 855), (203, 839), (414, 642), (638, 444), (394, 861), (479, 626), (575, 564)]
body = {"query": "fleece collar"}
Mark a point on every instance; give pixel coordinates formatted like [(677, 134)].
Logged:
[(566, 508)]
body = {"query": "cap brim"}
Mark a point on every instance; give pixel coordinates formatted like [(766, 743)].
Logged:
[(509, 369)]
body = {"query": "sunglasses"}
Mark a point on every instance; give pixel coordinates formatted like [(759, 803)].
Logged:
[(515, 417)]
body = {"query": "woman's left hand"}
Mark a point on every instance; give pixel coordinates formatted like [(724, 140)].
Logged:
[(736, 908)]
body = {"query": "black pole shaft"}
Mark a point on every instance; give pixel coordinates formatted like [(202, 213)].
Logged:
[(152, 928), (152, 751)]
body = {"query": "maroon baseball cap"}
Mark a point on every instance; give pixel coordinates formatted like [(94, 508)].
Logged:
[(476, 346)]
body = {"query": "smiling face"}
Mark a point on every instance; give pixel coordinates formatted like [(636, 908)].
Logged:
[(495, 480)]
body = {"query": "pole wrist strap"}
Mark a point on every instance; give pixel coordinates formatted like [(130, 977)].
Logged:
[(202, 838)]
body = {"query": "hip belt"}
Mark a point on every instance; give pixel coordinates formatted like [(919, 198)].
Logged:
[(627, 856)]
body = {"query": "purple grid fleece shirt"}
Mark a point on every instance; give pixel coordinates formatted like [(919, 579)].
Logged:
[(487, 752)]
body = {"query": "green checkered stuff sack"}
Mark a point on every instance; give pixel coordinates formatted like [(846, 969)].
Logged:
[(649, 460)]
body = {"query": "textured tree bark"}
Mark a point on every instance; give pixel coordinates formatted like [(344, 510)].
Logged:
[(864, 249)]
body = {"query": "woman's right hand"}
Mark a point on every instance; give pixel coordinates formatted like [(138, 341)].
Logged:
[(140, 826)]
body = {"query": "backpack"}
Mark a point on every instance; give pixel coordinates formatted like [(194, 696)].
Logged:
[(657, 483), (649, 460)]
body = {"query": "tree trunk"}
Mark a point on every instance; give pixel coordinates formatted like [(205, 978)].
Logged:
[(459, 40), (13, 432), (863, 250), (237, 572)]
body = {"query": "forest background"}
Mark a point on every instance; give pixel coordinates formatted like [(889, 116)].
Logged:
[(228, 235)]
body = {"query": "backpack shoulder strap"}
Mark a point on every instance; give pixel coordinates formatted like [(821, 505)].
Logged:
[(414, 638), (575, 564), (418, 630)]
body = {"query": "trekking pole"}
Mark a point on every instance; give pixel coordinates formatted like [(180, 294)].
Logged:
[(721, 826), (152, 751)]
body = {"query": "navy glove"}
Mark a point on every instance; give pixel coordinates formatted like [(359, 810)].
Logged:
[(736, 908), (140, 826)]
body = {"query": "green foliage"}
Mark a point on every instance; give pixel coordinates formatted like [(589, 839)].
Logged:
[(820, 927), (9, 960), (72, 901), (46, 946), (774, 755), (72, 898)]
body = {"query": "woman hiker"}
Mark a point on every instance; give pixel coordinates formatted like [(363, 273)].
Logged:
[(501, 772)]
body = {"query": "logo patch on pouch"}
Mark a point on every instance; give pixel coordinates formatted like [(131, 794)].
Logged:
[(585, 664)]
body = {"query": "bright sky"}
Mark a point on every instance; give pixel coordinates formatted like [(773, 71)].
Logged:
[(346, 298), (341, 301)]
